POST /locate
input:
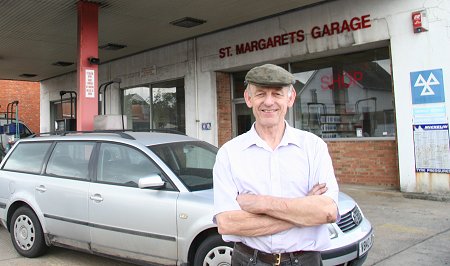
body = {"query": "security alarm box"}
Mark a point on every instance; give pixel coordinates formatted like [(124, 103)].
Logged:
[(420, 21)]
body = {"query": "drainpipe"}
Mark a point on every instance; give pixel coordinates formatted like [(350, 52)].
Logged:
[(197, 119)]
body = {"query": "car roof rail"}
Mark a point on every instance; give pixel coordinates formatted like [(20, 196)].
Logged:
[(121, 133), (159, 130), (118, 132), (64, 133)]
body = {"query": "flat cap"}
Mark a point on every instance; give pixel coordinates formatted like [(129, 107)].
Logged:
[(269, 75)]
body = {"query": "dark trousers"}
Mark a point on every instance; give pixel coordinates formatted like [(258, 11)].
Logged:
[(308, 258)]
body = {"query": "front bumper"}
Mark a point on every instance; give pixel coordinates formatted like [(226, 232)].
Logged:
[(345, 254)]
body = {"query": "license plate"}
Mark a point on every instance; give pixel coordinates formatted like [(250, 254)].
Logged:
[(365, 245)]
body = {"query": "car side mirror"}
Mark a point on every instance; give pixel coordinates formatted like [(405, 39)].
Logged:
[(152, 181)]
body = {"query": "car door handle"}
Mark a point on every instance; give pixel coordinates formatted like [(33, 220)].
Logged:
[(41, 188), (96, 198)]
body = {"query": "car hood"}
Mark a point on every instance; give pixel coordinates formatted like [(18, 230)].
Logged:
[(345, 204)]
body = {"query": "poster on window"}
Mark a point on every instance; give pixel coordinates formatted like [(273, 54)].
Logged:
[(90, 83), (431, 146)]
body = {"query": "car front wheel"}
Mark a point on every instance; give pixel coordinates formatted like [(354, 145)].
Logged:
[(27, 234), (213, 251)]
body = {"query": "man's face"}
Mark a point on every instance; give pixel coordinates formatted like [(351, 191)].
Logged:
[(269, 104)]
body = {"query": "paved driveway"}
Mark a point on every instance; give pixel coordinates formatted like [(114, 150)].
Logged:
[(407, 232)]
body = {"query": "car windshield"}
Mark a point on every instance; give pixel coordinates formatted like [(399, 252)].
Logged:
[(191, 161)]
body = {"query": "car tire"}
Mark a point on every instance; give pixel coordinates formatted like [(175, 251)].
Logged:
[(213, 251), (26, 233)]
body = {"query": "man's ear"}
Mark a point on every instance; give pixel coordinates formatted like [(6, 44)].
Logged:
[(292, 96), (248, 98)]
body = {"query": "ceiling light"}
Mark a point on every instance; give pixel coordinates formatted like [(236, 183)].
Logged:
[(112, 46), (25, 75), (187, 22), (62, 63)]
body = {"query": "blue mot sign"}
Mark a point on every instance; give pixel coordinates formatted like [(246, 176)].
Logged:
[(427, 86)]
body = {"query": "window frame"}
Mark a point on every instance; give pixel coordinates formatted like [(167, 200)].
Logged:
[(150, 87)]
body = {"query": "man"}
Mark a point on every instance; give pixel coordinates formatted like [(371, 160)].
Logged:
[(274, 186)]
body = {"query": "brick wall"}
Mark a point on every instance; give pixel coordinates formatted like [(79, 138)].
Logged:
[(223, 85), (28, 95), (365, 162)]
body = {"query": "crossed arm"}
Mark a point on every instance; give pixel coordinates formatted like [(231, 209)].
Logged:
[(265, 215)]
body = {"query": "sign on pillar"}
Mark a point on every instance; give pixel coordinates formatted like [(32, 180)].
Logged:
[(90, 83)]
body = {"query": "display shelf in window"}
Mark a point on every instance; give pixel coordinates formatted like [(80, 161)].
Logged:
[(338, 125)]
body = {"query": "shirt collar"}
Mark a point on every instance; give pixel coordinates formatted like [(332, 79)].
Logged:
[(289, 137)]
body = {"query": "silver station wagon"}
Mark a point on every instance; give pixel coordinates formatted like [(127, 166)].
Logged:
[(141, 197)]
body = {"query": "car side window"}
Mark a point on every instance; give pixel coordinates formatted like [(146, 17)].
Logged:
[(124, 165), (70, 159), (24, 131), (192, 162), (27, 157)]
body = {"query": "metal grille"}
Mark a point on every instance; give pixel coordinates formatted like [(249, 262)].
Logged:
[(350, 220)]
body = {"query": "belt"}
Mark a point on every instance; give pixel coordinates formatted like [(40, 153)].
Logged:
[(271, 258)]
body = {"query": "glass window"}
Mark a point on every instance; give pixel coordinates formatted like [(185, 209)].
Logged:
[(159, 106), (192, 162), (124, 165), (168, 105), (65, 109), (238, 84), (62, 111), (137, 107), (345, 96), (243, 116), (70, 159), (27, 157), (24, 131)]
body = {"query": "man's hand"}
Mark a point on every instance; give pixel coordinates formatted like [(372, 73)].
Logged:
[(318, 189)]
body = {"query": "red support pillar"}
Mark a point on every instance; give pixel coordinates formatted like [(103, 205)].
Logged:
[(87, 73)]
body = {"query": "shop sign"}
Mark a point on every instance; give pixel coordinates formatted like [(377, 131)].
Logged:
[(148, 71), (341, 81), (297, 36)]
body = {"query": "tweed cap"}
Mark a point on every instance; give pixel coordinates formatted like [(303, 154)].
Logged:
[(269, 75)]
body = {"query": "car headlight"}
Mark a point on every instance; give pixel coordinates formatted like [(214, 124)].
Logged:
[(332, 232)]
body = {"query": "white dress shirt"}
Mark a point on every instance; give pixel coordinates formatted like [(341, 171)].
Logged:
[(246, 164)]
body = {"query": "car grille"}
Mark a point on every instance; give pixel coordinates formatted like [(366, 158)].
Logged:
[(350, 220)]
